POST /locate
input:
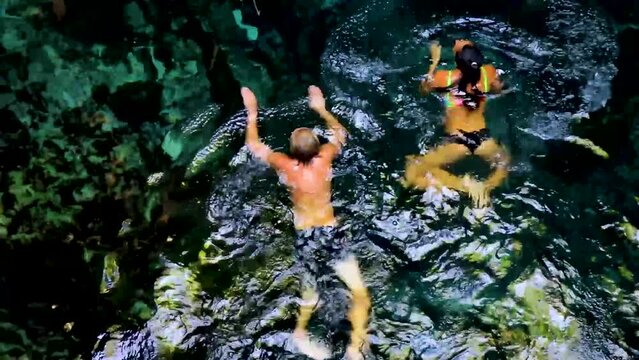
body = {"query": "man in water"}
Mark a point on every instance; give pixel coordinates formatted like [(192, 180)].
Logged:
[(466, 88), (307, 172)]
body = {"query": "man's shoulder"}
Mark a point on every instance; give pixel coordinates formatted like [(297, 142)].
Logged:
[(280, 161), (328, 152)]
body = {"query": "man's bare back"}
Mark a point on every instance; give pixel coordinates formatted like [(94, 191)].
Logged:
[(310, 187), (308, 176)]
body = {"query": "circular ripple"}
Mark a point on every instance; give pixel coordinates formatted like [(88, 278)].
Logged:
[(379, 55)]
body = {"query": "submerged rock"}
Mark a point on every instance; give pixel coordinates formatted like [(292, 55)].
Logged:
[(531, 321), (179, 314)]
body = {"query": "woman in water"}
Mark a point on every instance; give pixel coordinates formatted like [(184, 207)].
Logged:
[(465, 97)]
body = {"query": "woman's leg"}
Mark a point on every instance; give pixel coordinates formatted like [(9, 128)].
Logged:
[(426, 170), (498, 158)]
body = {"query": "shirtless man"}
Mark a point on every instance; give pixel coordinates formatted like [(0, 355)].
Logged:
[(466, 88), (307, 172)]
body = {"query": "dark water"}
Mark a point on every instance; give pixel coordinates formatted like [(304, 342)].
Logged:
[(547, 273)]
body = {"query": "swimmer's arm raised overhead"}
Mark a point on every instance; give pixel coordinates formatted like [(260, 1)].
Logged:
[(435, 57), (260, 150), (435, 79), (338, 132), (438, 81)]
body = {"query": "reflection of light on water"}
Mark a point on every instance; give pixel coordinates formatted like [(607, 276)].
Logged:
[(548, 125), (361, 120), (198, 121)]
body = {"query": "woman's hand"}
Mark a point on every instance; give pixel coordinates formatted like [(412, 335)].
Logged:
[(435, 52)]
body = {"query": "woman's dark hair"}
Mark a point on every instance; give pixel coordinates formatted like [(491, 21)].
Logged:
[(469, 60)]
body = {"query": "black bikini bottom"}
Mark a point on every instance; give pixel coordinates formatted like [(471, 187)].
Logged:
[(472, 140)]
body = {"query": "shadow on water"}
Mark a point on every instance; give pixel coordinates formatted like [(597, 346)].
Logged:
[(542, 274)]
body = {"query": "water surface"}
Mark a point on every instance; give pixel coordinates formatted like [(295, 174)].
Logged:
[(545, 273)]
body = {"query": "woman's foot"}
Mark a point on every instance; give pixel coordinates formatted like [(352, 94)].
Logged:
[(477, 191), (310, 348)]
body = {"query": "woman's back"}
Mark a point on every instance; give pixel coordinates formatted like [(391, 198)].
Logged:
[(465, 109)]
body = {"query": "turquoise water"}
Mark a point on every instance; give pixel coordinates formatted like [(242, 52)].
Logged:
[(547, 272)]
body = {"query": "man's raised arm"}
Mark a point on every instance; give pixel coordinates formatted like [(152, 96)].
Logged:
[(318, 104), (277, 160), (255, 146)]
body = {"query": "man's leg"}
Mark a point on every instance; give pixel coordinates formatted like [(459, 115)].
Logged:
[(426, 170), (302, 340), (348, 271), (310, 299), (308, 303)]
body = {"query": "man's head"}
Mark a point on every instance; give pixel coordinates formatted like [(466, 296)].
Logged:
[(304, 144)]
